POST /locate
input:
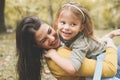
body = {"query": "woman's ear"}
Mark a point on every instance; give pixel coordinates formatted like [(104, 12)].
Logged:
[(35, 45), (81, 27)]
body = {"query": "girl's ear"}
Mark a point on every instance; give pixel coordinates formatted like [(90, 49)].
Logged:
[(82, 27)]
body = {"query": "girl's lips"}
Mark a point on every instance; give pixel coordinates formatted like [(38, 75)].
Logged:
[(66, 34)]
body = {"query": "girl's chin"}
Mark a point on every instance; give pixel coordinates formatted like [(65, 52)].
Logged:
[(66, 39)]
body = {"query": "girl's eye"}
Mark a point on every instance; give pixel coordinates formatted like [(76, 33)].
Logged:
[(62, 22), (73, 25)]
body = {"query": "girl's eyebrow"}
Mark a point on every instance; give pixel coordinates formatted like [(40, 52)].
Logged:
[(48, 31)]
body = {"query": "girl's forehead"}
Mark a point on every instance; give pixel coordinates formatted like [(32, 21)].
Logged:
[(68, 14)]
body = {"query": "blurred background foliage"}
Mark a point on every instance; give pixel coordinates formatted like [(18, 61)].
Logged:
[(104, 13)]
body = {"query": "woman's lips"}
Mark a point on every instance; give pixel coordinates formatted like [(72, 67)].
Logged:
[(55, 42)]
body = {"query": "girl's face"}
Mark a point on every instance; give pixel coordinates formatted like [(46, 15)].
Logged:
[(69, 25), (46, 37)]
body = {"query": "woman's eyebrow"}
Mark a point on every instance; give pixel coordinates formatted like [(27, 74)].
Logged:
[(49, 30)]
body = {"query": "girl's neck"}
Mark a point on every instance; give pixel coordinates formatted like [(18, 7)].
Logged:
[(69, 42)]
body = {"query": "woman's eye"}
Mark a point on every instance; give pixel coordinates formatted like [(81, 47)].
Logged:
[(49, 31), (43, 40)]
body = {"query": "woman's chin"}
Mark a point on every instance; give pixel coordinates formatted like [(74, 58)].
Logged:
[(57, 44)]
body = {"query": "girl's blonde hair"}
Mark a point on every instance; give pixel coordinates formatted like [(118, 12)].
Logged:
[(81, 13)]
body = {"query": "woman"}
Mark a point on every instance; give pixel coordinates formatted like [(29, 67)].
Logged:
[(33, 36)]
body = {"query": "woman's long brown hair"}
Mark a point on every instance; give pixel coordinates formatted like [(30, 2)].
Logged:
[(28, 64)]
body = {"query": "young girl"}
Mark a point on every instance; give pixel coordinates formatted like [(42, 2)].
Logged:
[(75, 30)]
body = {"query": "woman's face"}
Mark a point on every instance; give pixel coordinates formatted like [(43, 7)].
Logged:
[(46, 37)]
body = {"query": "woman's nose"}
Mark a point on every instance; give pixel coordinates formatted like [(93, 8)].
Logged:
[(51, 37)]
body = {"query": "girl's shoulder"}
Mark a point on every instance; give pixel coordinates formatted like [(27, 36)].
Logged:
[(81, 42)]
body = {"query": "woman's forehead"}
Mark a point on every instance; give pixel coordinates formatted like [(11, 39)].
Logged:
[(41, 32)]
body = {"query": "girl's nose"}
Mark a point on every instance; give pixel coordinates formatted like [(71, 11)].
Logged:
[(66, 26)]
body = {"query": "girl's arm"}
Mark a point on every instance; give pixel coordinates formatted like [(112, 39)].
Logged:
[(113, 33), (64, 63)]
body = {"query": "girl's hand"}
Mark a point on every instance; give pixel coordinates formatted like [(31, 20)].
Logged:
[(49, 53), (109, 42), (113, 33)]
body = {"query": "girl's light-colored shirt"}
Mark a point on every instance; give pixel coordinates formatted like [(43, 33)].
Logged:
[(83, 47)]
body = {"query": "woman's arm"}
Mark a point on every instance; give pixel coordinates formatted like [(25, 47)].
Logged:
[(88, 66), (109, 64)]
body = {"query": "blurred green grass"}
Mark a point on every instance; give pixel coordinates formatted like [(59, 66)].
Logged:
[(8, 55)]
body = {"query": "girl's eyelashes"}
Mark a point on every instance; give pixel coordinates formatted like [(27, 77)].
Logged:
[(62, 22), (73, 25)]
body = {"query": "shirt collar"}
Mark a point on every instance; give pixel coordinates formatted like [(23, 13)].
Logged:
[(68, 43)]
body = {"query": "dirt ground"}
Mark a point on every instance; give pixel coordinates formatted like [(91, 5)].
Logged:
[(8, 59)]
